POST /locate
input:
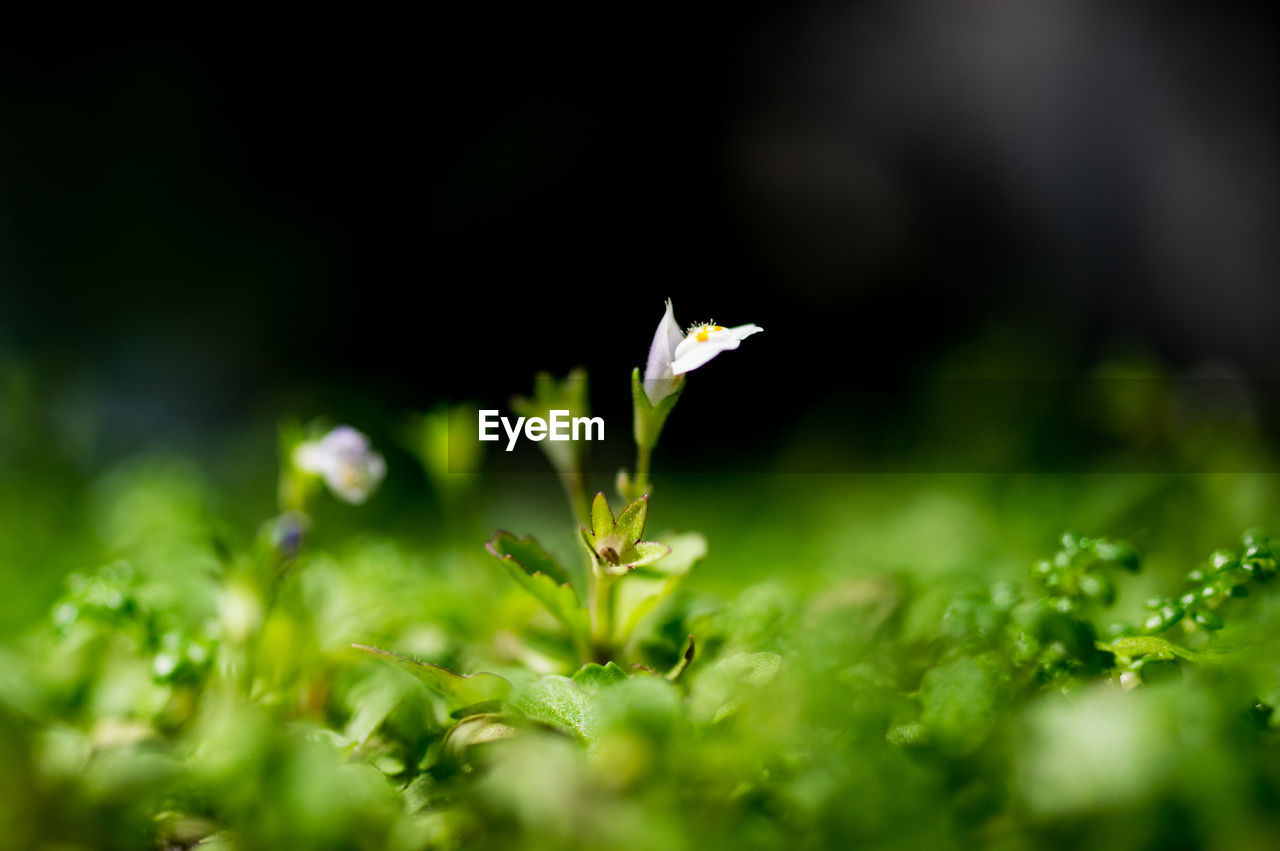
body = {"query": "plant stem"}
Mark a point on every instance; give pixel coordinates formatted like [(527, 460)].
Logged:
[(602, 599), (575, 488), (644, 452)]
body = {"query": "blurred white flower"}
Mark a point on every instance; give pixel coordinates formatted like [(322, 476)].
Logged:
[(346, 461), (673, 352)]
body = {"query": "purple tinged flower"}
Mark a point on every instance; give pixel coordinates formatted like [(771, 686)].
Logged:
[(344, 458)]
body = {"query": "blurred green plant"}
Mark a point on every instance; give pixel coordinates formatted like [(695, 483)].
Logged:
[(874, 672)]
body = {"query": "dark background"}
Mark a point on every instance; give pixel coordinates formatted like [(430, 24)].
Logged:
[(203, 220)]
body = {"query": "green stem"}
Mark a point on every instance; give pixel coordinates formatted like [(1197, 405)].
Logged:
[(644, 454), (602, 605), (576, 490)]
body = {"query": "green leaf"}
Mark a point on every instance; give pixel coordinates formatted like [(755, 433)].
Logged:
[(649, 585), (476, 730), (642, 705), (1207, 619), (592, 676), (650, 418), (1117, 552), (601, 517), (718, 692), (529, 554), (536, 572), (460, 690), (907, 735), (569, 394), (686, 550), (1134, 646), (557, 702), (959, 701), (686, 656), (644, 553), (629, 528), (373, 701)]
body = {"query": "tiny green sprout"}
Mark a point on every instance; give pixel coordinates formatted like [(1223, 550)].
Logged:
[(1222, 560), (1169, 613), (1261, 567), (1118, 630), (1097, 587), (1117, 552), (1077, 575), (1207, 619), (615, 545), (1255, 538), (1257, 550), (566, 456)]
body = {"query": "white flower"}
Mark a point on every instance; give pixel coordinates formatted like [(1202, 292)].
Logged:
[(674, 353), (349, 465)]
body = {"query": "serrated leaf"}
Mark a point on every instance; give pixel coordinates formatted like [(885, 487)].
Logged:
[(462, 691), (559, 703), (530, 555), (593, 676), (535, 570)]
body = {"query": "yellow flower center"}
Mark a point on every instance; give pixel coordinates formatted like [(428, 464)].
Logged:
[(702, 332)]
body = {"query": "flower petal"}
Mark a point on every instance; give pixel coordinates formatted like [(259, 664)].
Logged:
[(693, 352), (742, 332), (345, 460), (657, 372), (698, 352), (310, 457)]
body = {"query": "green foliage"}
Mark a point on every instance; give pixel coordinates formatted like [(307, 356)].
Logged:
[(464, 692), (847, 664), (536, 571)]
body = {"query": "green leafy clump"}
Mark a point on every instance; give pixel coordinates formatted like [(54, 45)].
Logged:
[(833, 664)]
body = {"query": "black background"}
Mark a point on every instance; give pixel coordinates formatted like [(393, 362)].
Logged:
[(206, 218)]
